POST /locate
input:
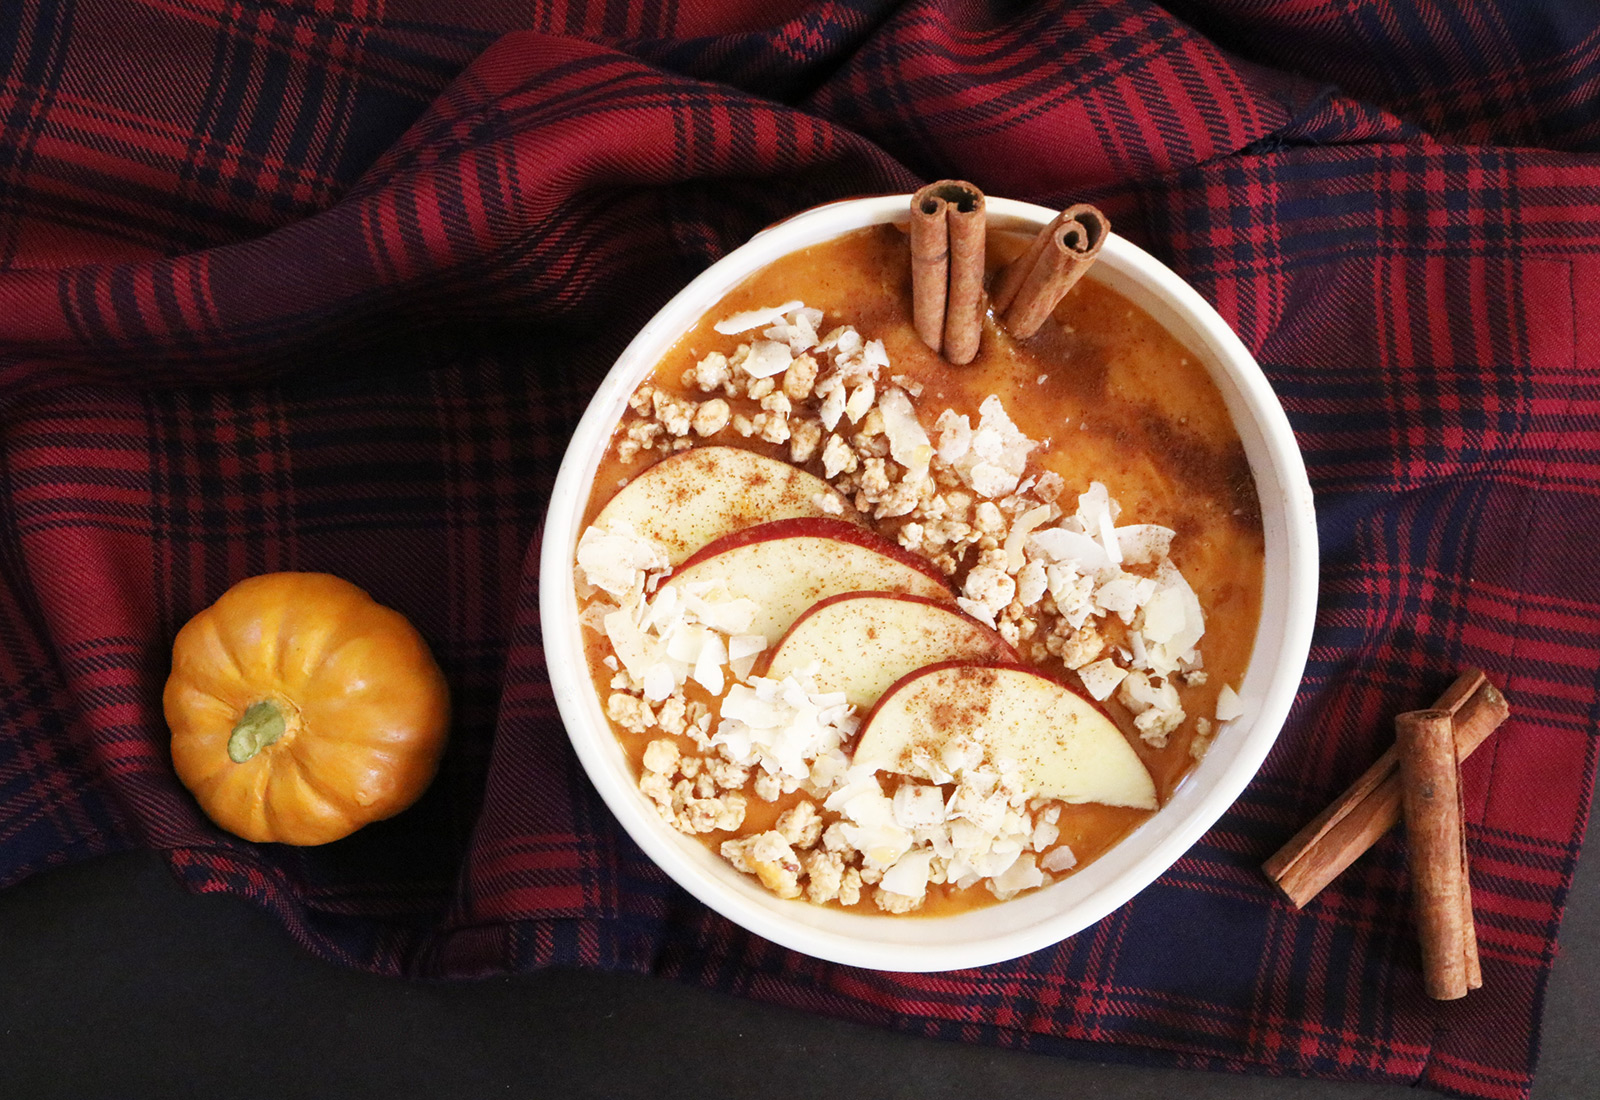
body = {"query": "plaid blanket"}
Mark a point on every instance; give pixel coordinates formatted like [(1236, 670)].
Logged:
[(325, 285)]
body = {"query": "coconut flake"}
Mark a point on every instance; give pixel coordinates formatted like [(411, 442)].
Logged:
[(909, 875), (709, 661), (989, 459), (617, 560), (908, 442), (633, 647), (831, 391), (917, 806), (754, 318), (745, 645), (955, 436), (1229, 706), (782, 725), (989, 480), (1020, 530), (1144, 543), (1023, 874), (1119, 596), (660, 681), (860, 400), (798, 329), (1173, 600), (767, 358), (1140, 658), (1058, 859), (1058, 544), (1100, 678)]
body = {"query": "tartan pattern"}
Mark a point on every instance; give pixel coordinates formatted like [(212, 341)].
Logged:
[(326, 286)]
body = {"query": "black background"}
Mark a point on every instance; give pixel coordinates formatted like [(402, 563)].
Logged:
[(115, 982)]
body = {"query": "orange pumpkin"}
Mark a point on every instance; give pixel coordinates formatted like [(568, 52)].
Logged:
[(301, 709)]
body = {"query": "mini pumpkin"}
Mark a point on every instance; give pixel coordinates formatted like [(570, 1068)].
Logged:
[(301, 709)]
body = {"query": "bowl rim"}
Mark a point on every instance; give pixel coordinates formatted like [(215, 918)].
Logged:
[(797, 925)]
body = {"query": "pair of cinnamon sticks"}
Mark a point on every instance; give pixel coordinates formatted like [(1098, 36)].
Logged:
[(948, 239), (1417, 780)]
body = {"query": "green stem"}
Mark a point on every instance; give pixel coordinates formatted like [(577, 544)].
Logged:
[(261, 725)]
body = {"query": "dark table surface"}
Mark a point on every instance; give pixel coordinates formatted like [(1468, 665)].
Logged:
[(114, 982)]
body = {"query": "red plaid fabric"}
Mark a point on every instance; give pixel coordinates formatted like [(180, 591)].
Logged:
[(325, 285)]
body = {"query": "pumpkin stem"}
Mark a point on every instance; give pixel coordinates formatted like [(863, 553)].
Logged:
[(261, 725)]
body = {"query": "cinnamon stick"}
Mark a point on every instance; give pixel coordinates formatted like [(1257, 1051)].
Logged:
[(1033, 284), (948, 231), (1318, 853), (930, 265), (1430, 786), (963, 316)]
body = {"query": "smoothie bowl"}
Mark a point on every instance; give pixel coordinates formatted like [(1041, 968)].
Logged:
[(916, 666)]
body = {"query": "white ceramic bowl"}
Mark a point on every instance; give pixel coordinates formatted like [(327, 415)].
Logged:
[(1043, 917)]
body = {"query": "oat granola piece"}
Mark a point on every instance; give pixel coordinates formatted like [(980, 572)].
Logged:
[(772, 427), (711, 372), (728, 775), (710, 815), (799, 379), (801, 825), (662, 756), (711, 417), (657, 788), (850, 887), (640, 400), (891, 902), (768, 787), (837, 457), (630, 712), (1079, 647), (901, 499), (682, 792), (829, 505), (834, 839), (673, 715), (673, 413), (767, 856), (824, 875), (1157, 710), (732, 815), (804, 436), (989, 588)]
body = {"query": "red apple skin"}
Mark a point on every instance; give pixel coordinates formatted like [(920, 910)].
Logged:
[(815, 527), (1018, 666), (940, 666), (787, 566), (1003, 648), (992, 646), (709, 481)]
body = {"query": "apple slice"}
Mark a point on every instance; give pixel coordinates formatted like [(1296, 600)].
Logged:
[(1066, 748), (788, 565), (862, 642), (693, 497)]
